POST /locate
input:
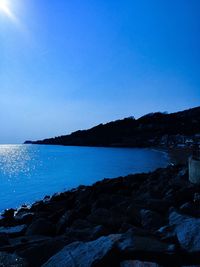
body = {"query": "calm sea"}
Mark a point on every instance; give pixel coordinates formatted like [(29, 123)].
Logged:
[(29, 172)]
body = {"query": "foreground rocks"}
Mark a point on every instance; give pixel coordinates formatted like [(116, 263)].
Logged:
[(140, 220)]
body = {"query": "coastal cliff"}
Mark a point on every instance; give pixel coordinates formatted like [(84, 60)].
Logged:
[(181, 129), (151, 219)]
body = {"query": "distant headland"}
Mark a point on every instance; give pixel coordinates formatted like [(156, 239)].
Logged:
[(180, 129)]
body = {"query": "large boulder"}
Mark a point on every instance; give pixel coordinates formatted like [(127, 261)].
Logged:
[(40, 250), (8, 215), (4, 240), (130, 243), (133, 213), (13, 231), (151, 219), (24, 217), (187, 230), (98, 253), (167, 233), (41, 227), (176, 218), (190, 209), (85, 234), (108, 250), (158, 205), (188, 234), (65, 221), (107, 218), (11, 260)]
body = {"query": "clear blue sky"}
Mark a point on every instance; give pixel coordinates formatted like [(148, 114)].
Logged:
[(67, 65)]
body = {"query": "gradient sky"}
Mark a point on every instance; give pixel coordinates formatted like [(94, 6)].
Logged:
[(68, 65)]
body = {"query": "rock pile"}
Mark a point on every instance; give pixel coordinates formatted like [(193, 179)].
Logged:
[(139, 220)]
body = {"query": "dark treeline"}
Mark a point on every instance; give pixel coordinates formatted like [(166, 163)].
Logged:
[(129, 132)]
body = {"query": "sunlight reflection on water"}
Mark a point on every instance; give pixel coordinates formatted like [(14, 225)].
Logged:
[(15, 160), (28, 173)]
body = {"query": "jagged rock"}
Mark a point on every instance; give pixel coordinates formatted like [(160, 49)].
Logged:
[(82, 215), (134, 230), (188, 234), (8, 214), (99, 216), (190, 209), (27, 241), (65, 221), (176, 218), (150, 219), (98, 253), (158, 205), (107, 201), (107, 218), (184, 194), (167, 233), (39, 252), (37, 206), (196, 198), (4, 240), (130, 243), (132, 263), (13, 231), (80, 224), (41, 227), (11, 260), (187, 230), (86, 234), (24, 217), (133, 213)]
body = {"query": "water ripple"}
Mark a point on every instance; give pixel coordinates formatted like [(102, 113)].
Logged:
[(15, 160)]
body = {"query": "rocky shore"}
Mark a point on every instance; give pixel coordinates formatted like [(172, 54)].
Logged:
[(139, 220)]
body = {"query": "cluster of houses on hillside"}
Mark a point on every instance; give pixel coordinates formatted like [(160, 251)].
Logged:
[(180, 140)]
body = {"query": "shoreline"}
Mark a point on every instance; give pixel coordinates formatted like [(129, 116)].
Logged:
[(176, 155), (170, 154), (161, 154), (118, 217)]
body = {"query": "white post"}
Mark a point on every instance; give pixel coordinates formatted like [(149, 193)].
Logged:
[(194, 170)]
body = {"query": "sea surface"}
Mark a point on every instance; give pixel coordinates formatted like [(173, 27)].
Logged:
[(30, 172)]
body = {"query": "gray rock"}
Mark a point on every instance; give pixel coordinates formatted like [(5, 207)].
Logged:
[(4, 240), (176, 218), (187, 230), (13, 231), (86, 234), (107, 218), (196, 198), (65, 221), (150, 219), (98, 253), (41, 227), (188, 234), (8, 214), (190, 209), (131, 263), (130, 243), (133, 213), (39, 251), (158, 205), (81, 224), (24, 217), (11, 260), (167, 233)]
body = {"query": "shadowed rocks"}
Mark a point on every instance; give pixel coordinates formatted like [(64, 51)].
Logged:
[(140, 220)]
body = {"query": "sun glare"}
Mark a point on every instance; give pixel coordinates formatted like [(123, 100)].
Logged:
[(7, 9)]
